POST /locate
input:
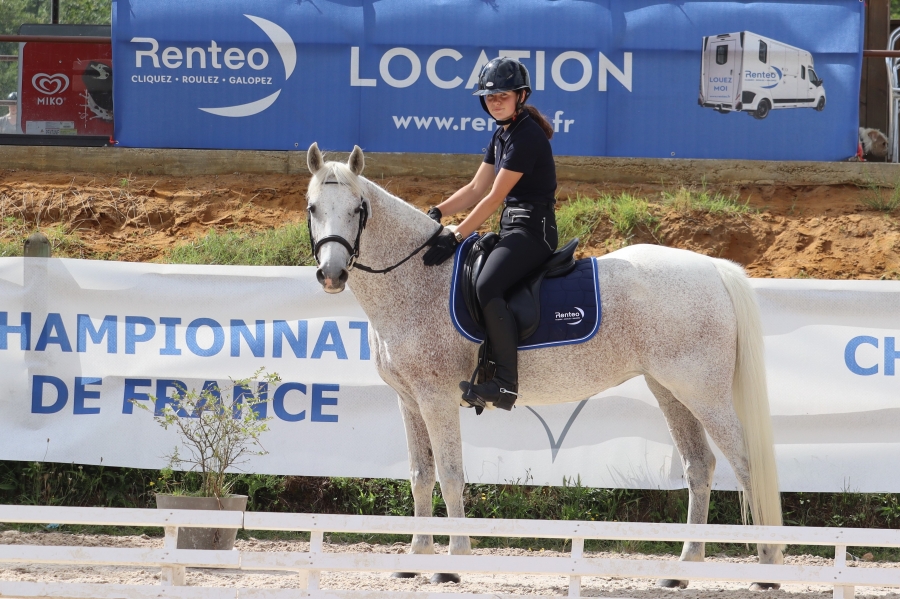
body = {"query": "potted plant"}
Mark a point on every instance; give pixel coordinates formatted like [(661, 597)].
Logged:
[(213, 440)]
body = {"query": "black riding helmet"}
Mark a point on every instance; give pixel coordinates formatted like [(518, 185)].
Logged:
[(503, 75)]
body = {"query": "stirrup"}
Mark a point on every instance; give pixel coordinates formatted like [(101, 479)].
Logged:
[(470, 398)]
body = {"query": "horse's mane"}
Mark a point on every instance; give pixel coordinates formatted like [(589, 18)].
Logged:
[(336, 171)]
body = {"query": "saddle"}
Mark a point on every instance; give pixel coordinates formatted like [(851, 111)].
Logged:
[(524, 299)]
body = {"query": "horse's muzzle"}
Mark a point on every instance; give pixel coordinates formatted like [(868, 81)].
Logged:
[(332, 282)]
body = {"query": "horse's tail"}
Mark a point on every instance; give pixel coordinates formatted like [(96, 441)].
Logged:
[(751, 397)]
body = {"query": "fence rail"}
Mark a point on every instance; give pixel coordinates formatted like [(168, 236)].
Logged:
[(309, 564)]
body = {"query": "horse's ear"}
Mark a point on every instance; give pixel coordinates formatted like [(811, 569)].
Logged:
[(314, 159), (356, 162)]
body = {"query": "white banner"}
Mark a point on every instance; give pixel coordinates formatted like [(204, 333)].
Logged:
[(80, 339)]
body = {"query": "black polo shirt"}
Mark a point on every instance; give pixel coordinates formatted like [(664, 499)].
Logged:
[(524, 148)]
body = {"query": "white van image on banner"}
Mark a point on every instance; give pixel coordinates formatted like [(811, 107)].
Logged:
[(751, 73)]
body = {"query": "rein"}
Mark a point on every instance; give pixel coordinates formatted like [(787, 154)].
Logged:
[(354, 249)]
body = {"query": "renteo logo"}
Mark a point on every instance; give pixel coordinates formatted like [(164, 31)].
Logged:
[(869, 360), (233, 59), (573, 316), (773, 77)]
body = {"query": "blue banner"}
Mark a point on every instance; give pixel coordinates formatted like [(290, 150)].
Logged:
[(646, 78)]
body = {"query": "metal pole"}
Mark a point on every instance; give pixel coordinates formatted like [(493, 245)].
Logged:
[(37, 246), (54, 12), (65, 39)]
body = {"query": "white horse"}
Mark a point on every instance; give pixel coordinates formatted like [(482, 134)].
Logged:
[(688, 323)]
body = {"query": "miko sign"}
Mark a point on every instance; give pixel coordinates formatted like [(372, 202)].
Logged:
[(66, 89), (616, 78)]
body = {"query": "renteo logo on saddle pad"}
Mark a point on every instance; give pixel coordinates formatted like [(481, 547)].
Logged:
[(398, 75)]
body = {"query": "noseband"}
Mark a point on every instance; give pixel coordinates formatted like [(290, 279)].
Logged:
[(354, 249)]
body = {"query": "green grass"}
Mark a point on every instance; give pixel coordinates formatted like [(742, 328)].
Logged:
[(64, 243), (627, 211), (690, 199), (581, 216), (578, 218), (877, 197), (284, 246)]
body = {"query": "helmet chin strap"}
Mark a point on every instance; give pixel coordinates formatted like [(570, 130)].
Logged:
[(504, 122)]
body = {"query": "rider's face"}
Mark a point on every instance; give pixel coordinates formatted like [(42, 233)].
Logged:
[(502, 105)]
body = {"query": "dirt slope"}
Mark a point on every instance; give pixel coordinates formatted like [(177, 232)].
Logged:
[(821, 232)]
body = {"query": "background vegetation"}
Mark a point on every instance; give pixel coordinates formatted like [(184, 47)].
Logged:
[(37, 483)]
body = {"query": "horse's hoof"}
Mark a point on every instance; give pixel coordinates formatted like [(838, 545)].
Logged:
[(444, 577), (668, 583), (404, 574), (765, 586)]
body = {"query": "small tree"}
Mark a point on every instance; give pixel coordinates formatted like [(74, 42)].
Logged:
[(215, 437)]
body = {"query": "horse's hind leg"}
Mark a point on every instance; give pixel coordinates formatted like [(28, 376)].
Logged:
[(421, 473), (726, 431), (698, 462)]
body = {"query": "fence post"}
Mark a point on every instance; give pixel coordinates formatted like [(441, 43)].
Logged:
[(840, 561), (172, 576), (315, 547), (37, 246), (575, 581)]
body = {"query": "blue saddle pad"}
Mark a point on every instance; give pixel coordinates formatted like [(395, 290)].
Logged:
[(570, 305)]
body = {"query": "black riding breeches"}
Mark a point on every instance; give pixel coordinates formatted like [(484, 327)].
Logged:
[(515, 255), (537, 219)]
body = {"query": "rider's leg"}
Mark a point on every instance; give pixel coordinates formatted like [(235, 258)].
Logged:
[(504, 335), (515, 256)]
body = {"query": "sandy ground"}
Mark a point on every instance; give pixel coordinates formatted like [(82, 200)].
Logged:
[(494, 583), (820, 232)]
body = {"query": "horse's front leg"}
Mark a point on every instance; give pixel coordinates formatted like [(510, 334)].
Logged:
[(442, 419), (421, 473)]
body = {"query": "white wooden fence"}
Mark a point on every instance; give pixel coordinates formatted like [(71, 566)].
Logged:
[(309, 565)]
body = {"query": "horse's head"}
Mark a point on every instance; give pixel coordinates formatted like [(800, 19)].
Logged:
[(337, 213)]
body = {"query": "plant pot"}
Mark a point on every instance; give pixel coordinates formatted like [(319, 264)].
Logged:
[(203, 538)]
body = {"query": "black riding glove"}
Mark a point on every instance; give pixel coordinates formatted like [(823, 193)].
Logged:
[(443, 247), (434, 213)]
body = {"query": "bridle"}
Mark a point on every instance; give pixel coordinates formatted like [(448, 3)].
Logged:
[(354, 249)]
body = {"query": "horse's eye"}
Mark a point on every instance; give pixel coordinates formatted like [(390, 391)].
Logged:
[(312, 209), (357, 211)]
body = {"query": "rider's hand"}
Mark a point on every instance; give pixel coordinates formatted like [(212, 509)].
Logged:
[(443, 247), (435, 214)]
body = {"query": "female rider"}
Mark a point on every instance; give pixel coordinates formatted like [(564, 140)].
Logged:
[(518, 171)]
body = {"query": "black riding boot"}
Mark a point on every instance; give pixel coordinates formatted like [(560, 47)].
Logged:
[(503, 333)]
